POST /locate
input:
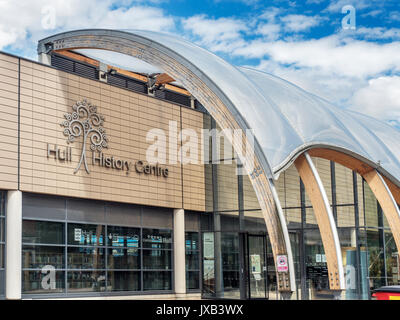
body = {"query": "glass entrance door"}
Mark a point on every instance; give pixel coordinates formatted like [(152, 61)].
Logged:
[(257, 267)]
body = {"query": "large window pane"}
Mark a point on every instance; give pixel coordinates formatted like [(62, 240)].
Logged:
[(376, 263), (316, 266), (230, 263), (86, 281), (123, 258), (157, 259), (42, 232), (157, 280), (124, 280), (392, 259), (155, 238), (123, 237), (192, 240), (2, 229), (86, 258), (2, 252), (35, 257), (193, 280), (192, 260), (38, 282), (85, 234)]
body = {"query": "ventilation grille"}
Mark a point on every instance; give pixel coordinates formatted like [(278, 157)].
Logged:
[(173, 97), (91, 72), (75, 67)]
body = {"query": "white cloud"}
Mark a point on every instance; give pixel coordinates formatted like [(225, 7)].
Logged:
[(330, 55), (378, 33), (269, 31), (380, 99), (299, 22), (336, 5), (223, 34), (21, 21)]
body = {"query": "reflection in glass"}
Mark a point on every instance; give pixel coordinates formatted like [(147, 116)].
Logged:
[(193, 280), (85, 234), (85, 258), (123, 258), (257, 263), (191, 240), (160, 280), (124, 280), (38, 282), (157, 259), (192, 260), (155, 238), (376, 263), (2, 252), (123, 237), (86, 281), (42, 232), (2, 229), (392, 259), (230, 264), (34, 257), (316, 266)]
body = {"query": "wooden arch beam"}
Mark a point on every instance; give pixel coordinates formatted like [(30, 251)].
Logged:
[(385, 191), (325, 220), (217, 103)]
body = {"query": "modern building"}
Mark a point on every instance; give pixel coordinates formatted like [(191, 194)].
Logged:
[(85, 213)]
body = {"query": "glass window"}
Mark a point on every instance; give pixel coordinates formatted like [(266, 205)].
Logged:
[(124, 280), (392, 259), (316, 266), (192, 240), (85, 234), (2, 252), (155, 238), (34, 257), (86, 258), (83, 258), (86, 281), (2, 229), (157, 259), (42, 232), (43, 281), (123, 258), (192, 260), (192, 280), (123, 237), (160, 280)]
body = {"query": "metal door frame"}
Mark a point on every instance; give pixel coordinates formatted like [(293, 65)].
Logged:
[(247, 253)]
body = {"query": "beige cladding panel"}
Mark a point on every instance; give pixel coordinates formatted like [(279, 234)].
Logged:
[(193, 171), (8, 122), (47, 94)]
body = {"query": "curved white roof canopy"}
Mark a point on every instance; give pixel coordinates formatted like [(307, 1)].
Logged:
[(286, 119)]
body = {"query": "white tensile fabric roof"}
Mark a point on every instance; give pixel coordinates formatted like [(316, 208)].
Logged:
[(286, 119)]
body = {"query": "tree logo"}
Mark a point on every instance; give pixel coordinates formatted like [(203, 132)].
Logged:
[(86, 122)]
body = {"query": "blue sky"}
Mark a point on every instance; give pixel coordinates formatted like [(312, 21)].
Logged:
[(301, 41)]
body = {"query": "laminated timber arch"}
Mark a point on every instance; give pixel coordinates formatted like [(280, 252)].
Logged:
[(217, 103), (326, 223), (385, 191)]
